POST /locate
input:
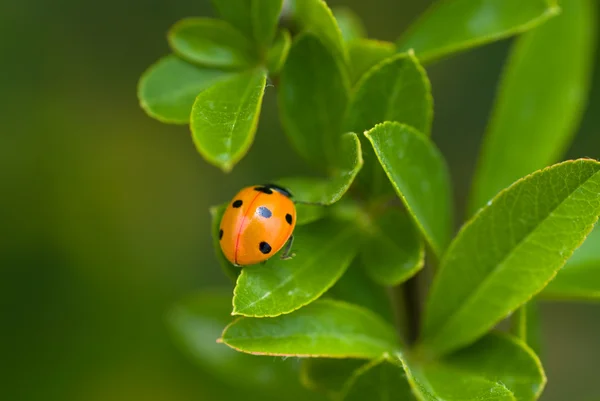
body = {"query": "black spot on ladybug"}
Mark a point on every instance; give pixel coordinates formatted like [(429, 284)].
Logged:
[(288, 218), (264, 247), (264, 189), (264, 212), (237, 203), (220, 234)]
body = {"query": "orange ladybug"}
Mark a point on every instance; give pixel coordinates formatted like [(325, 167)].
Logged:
[(258, 222)]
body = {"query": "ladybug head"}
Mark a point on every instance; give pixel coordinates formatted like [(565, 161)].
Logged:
[(268, 188)]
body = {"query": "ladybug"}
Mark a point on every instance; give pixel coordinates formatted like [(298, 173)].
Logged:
[(258, 222)]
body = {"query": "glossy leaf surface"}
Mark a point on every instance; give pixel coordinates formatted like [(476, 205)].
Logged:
[(474, 23), (323, 249), (168, 88), (327, 191), (540, 102), (580, 277), (265, 15), (315, 330), (225, 116), (365, 54), (397, 89), (315, 16), (212, 43), (313, 94), (509, 251), (349, 23), (419, 175)]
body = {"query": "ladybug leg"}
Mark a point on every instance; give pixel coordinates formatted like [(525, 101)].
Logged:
[(287, 251)]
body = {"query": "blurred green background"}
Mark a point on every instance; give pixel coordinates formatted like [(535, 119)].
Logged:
[(104, 211)]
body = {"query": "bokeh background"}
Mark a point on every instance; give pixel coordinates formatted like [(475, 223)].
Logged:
[(104, 218)]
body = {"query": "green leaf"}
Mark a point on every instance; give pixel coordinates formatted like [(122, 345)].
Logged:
[(419, 174), (580, 277), (327, 191), (278, 53), (197, 321), (349, 23), (265, 16), (323, 252), (313, 94), (504, 359), (355, 287), (474, 23), (365, 54), (225, 117), (509, 251), (168, 88), (237, 12), (212, 43), (328, 375), (394, 251), (314, 16), (216, 213), (397, 89), (540, 102), (379, 380), (438, 381), (315, 331)]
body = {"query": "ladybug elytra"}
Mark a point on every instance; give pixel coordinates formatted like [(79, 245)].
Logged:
[(258, 222)]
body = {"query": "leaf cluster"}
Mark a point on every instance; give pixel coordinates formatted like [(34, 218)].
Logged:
[(349, 308)]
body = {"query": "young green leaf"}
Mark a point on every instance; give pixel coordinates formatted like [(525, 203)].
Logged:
[(225, 116), (394, 250), (349, 23), (168, 88), (418, 172), (278, 52), (323, 252), (437, 381), (313, 94), (509, 251), (379, 380), (197, 321), (315, 331), (327, 191), (315, 16), (504, 359), (216, 213), (397, 89), (580, 277), (238, 13), (540, 102), (265, 15), (366, 53), (212, 43), (328, 375), (474, 23)]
